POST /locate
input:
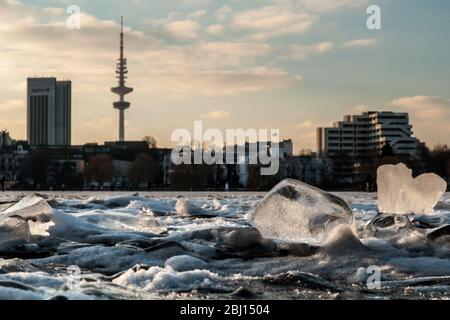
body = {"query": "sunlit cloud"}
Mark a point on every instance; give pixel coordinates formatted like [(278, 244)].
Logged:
[(360, 43), (217, 115)]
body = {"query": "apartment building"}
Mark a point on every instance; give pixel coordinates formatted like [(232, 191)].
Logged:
[(365, 135)]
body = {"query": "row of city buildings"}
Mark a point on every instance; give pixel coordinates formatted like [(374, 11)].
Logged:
[(345, 157)]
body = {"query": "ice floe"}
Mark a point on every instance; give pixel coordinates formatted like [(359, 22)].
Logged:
[(295, 211), (400, 193)]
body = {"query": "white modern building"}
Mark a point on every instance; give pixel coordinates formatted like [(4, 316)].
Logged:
[(366, 135), (49, 108)]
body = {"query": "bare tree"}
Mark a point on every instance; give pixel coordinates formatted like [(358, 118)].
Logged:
[(35, 167), (151, 142), (100, 168), (142, 170), (191, 177)]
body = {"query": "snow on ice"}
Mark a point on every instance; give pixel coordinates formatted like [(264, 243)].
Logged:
[(221, 245)]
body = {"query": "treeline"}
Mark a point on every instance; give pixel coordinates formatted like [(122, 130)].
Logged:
[(40, 172)]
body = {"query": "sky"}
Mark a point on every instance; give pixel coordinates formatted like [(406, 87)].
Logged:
[(292, 65)]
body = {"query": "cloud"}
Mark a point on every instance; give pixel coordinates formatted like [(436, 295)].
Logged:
[(36, 42), (305, 134), (308, 125), (9, 120), (196, 14), (223, 13), (217, 115), (430, 116), (215, 83), (360, 108), (215, 29), (330, 5), (358, 43), (12, 106), (231, 53), (274, 20), (425, 108), (183, 29), (300, 52)]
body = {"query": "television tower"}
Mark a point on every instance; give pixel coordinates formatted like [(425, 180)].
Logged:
[(121, 90)]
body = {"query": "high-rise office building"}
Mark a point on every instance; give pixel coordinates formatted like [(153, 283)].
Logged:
[(49, 108)]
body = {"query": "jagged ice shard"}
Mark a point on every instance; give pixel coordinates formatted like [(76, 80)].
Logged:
[(400, 193), (296, 212), (14, 231)]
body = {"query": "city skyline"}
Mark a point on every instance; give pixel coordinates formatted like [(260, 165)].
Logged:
[(232, 66)]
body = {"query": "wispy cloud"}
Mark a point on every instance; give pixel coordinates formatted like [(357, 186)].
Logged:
[(215, 29), (217, 115), (183, 29), (274, 20), (300, 52), (429, 115), (425, 108), (330, 5), (358, 43), (12, 105)]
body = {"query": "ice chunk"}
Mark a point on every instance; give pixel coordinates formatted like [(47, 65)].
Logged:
[(185, 263), (183, 207), (294, 211), (400, 193), (187, 208), (387, 225), (441, 234), (30, 207), (14, 231)]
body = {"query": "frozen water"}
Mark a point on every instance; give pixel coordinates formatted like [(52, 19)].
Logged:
[(294, 211), (400, 193), (387, 225), (185, 263), (167, 279), (186, 207), (140, 247), (30, 207)]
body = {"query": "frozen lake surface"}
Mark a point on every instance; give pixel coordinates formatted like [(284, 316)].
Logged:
[(160, 246)]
